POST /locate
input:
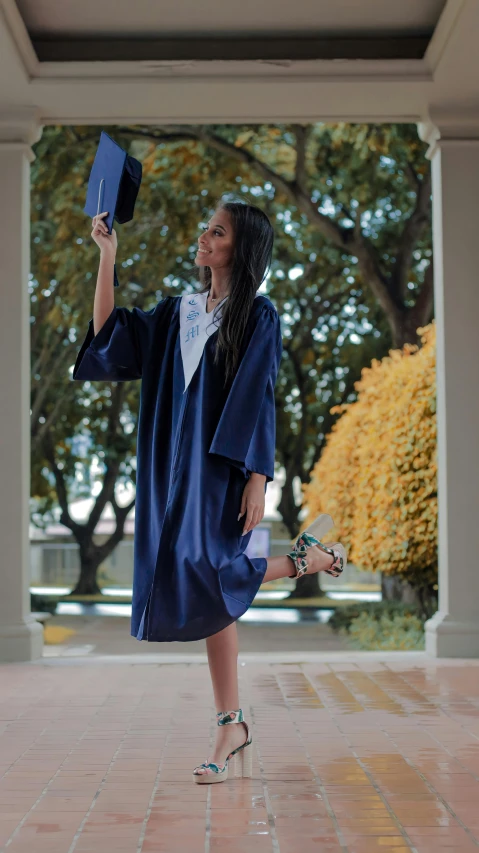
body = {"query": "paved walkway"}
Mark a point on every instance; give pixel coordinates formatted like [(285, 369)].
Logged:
[(352, 754)]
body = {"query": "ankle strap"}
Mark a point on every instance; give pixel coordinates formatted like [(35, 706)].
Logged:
[(225, 717)]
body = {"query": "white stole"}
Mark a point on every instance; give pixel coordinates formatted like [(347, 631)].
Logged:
[(196, 326)]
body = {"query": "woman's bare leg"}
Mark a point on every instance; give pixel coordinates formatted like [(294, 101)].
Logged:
[(223, 662), (222, 649)]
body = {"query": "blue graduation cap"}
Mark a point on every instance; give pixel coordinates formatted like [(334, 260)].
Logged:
[(113, 184)]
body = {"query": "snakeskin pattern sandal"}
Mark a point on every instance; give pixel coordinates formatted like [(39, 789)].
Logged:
[(306, 540), (242, 757)]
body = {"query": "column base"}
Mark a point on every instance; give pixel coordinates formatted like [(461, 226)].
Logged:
[(447, 637), (21, 642)]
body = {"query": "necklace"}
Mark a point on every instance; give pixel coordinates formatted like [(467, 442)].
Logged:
[(213, 298)]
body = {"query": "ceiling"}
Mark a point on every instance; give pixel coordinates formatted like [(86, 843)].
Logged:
[(252, 29), (144, 18), (137, 61)]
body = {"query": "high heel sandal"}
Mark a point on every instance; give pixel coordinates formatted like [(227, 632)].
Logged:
[(320, 526), (242, 757), (308, 538)]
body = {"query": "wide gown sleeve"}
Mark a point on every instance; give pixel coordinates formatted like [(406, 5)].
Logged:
[(117, 353), (246, 431)]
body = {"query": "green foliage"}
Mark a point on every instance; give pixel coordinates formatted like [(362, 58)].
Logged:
[(343, 617), (42, 604), (380, 625), (389, 633)]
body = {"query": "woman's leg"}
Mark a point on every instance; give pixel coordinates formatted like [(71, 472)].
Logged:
[(222, 649)]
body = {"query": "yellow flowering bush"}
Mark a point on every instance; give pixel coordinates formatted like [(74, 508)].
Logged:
[(377, 475)]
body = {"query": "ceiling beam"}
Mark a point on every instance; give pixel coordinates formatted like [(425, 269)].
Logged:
[(71, 49)]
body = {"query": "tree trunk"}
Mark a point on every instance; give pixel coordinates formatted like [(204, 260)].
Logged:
[(307, 586), (395, 588), (287, 507), (87, 582)]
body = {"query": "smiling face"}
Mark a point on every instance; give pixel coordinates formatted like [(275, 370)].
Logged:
[(216, 243)]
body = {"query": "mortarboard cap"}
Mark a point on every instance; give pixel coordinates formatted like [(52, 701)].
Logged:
[(113, 184)]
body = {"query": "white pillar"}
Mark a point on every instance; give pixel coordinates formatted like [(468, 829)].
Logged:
[(454, 152), (21, 637)]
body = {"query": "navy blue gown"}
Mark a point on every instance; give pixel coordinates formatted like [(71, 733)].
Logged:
[(195, 450)]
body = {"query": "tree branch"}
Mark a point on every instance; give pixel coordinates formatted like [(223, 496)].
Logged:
[(302, 134), (39, 430), (423, 308), (351, 240), (328, 227), (411, 233), (112, 464), (61, 489)]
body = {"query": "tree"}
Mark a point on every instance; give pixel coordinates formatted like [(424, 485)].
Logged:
[(74, 424), (332, 321), (366, 189), (378, 473)]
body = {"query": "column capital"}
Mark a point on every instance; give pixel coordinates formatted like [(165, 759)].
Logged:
[(20, 129), (442, 125)]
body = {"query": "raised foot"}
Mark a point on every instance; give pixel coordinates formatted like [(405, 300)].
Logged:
[(309, 556), (318, 560)]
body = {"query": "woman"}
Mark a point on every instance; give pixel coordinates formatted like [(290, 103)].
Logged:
[(205, 451)]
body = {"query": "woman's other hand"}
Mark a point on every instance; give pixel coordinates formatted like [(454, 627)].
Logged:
[(252, 501)]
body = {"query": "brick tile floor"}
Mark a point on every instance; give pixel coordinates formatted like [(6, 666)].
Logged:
[(351, 755)]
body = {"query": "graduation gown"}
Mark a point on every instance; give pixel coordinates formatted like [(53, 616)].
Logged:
[(196, 447)]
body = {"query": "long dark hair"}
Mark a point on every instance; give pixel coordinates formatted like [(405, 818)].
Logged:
[(253, 249)]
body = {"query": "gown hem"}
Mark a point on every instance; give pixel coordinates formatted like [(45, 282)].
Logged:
[(244, 607)]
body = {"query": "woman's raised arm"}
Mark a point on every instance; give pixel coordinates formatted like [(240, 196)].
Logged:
[(104, 294)]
